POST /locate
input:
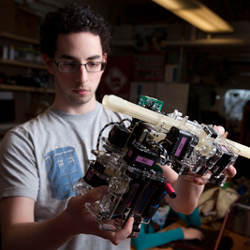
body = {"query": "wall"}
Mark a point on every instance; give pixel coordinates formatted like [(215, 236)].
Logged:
[(17, 21)]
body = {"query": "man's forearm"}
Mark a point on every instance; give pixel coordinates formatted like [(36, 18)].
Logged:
[(49, 234), (188, 193), (187, 188)]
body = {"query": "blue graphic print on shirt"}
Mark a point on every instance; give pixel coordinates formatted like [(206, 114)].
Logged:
[(63, 171)]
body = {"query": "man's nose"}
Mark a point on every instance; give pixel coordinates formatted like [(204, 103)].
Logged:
[(83, 73)]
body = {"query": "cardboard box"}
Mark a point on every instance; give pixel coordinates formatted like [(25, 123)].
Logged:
[(174, 95)]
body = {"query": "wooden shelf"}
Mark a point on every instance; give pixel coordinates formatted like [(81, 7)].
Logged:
[(18, 38), (25, 89), (22, 64)]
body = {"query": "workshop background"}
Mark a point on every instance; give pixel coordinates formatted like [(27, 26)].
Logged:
[(205, 74)]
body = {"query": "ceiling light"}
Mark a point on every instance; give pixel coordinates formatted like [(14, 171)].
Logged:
[(197, 14)]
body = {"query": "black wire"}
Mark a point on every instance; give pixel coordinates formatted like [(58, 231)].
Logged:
[(107, 125)]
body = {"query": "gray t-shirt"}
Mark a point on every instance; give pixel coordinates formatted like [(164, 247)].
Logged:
[(42, 158)]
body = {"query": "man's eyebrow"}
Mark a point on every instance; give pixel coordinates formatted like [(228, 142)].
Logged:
[(67, 57), (64, 56), (93, 57)]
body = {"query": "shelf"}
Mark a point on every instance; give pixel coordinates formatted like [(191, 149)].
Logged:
[(18, 38), (22, 64), (25, 89)]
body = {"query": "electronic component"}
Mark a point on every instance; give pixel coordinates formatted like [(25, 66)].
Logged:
[(130, 159)]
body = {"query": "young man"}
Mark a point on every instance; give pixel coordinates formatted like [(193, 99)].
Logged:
[(41, 159)]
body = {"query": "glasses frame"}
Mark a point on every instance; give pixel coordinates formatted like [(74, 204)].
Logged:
[(103, 65)]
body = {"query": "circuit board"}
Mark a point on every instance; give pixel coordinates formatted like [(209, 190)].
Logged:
[(150, 103)]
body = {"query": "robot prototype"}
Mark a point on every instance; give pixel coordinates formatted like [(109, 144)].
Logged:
[(129, 163)]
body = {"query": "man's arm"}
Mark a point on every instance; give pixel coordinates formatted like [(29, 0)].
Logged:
[(20, 231), (188, 189), (187, 192)]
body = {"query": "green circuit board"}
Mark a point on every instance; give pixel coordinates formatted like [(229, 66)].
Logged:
[(150, 103)]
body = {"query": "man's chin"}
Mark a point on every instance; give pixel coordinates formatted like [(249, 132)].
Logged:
[(83, 100)]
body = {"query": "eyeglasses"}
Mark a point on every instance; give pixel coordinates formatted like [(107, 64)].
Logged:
[(70, 67)]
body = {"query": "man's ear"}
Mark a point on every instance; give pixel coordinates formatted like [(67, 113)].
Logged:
[(105, 57), (48, 63)]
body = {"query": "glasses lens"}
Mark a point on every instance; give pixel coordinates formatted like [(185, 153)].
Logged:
[(68, 67), (94, 66)]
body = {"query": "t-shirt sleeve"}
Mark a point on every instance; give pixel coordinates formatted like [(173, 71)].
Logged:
[(18, 172)]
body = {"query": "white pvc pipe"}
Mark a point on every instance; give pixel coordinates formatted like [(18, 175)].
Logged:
[(205, 144)]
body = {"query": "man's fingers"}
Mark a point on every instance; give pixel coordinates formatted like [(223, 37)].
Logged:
[(220, 130), (124, 232), (231, 171), (128, 226)]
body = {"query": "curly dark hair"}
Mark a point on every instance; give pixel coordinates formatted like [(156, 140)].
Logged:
[(74, 17)]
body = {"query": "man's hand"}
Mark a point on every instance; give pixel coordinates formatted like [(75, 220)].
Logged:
[(189, 187), (84, 222), (230, 170)]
